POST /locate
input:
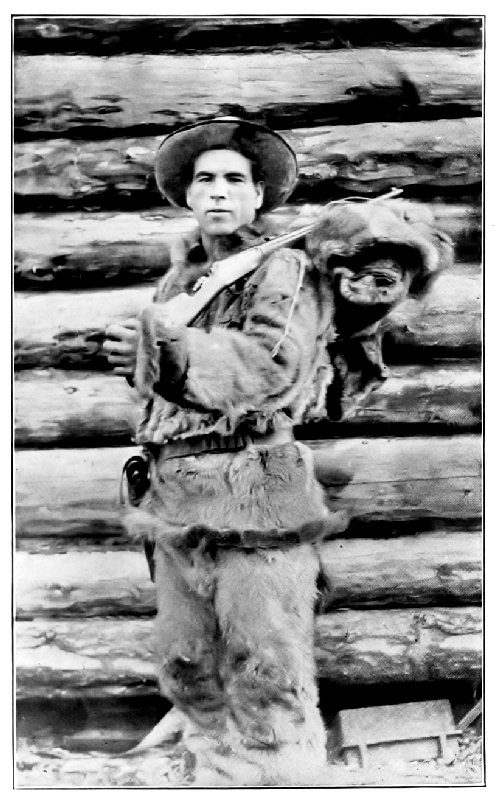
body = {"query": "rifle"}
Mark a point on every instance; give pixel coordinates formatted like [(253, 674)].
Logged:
[(184, 308)]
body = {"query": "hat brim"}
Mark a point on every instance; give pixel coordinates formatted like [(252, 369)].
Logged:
[(274, 156)]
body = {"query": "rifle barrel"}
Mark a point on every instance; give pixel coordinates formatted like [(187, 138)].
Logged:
[(285, 238)]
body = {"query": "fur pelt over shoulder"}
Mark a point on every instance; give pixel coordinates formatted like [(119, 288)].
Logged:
[(356, 234), (374, 255)]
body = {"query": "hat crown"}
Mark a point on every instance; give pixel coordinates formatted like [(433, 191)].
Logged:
[(228, 119)]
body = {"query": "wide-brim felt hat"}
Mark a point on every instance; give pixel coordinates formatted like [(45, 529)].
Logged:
[(276, 159)]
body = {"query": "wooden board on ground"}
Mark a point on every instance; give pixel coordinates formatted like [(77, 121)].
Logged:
[(138, 93), (75, 492), (427, 569), (114, 657)]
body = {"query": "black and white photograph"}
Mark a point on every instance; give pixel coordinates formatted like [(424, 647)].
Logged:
[(247, 391)]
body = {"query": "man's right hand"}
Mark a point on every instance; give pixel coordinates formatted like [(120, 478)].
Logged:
[(120, 346)]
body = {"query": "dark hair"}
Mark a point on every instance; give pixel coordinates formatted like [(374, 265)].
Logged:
[(257, 175)]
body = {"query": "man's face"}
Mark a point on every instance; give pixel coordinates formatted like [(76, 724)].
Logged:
[(222, 194)]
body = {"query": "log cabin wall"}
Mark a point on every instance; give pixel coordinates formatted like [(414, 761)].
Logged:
[(93, 98)]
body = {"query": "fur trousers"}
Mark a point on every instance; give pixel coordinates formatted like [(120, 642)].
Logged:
[(234, 636), (234, 628)]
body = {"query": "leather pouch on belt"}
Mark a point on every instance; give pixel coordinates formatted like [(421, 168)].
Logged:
[(136, 471)]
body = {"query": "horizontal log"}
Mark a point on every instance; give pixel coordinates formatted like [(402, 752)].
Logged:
[(55, 94), (367, 158), (66, 330), (108, 657), (111, 35), (92, 250), (111, 726), (74, 407), (75, 492), (402, 478), (77, 658), (443, 395), (58, 545), (427, 569), (80, 250), (446, 323), (84, 584), (384, 646)]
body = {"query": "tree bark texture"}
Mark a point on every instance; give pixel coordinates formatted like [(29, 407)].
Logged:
[(367, 158), (74, 492), (427, 569), (447, 322), (57, 94), (92, 250), (108, 657), (441, 568), (66, 329), (111, 35), (402, 478), (384, 646), (58, 408)]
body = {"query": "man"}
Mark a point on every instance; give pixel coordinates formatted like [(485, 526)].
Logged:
[(230, 488), (232, 507)]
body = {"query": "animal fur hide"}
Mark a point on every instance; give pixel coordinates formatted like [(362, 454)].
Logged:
[(373, 255)]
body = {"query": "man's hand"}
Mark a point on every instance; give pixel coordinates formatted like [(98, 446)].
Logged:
[(120, 346)]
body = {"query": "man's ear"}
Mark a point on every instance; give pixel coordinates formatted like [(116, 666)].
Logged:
[(259, 189), (188, 197)]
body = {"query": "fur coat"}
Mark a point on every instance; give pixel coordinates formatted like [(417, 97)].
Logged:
[(297, 340), (254, 363), (255, 360)]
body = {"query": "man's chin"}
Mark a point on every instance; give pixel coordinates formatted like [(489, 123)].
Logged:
[(220, 228)]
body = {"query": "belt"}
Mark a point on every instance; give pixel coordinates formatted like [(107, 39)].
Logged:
[(215, 443)]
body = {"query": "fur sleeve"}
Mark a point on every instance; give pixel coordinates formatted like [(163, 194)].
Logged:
[(263, 366)]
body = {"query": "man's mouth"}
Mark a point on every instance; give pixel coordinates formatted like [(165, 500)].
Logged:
[(218, 211)]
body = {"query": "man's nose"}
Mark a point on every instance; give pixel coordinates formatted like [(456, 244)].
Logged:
[(219, 188)]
